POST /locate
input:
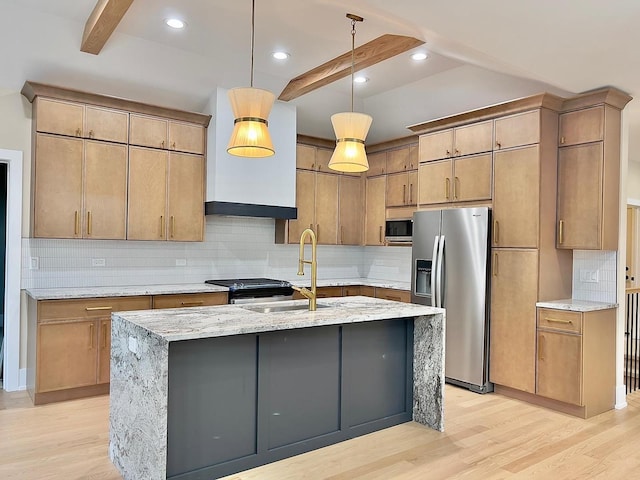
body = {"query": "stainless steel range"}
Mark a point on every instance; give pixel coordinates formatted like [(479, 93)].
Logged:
[(254, 290)]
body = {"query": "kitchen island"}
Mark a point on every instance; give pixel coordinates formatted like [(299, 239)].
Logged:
[(205, 392)]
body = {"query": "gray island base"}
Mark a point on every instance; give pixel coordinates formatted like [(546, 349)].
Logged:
[(204, 392)]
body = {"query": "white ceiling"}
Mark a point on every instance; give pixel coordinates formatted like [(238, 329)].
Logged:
[(480, 53)]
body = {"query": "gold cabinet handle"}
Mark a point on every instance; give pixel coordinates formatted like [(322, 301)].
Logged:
[(95, 309), (380, 234), (558, 320), (561, 232), (89, 223), (90, 133), (447, 187), (456, 187), (91, 335), (411, 193), (162, 144), (76, 224), (161, 226), (78, 132), (448, 153), (498, 145), (172, 226), (457, 152), (496, 232), (562, 140), (192, 304), (104, 335), (495, 264), (404, 194), (173, 145)]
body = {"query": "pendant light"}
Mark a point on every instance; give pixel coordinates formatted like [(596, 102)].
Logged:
[(351, 128), (251, 107)]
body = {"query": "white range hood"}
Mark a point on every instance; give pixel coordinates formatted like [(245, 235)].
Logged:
[(255, 187)]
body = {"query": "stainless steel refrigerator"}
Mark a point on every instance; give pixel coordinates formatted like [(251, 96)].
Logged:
[(450, 269)]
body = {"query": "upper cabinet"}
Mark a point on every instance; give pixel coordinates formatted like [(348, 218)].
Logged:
[(87, 184), (402, 159), (517, 130), (459, 141), (581, 126), (377, 164)]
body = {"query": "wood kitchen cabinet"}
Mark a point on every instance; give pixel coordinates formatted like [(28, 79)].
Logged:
[(80, 188), (517, 130), (375, 210), (69, 343), (402, 189), (459, 141), (514, 292), (166, 134), (166, 195), (582, 126), (576, 359), (181, 300), (393, 294), (309, 157), (458, 180), (351, 206), (377, 164), (402, 159)]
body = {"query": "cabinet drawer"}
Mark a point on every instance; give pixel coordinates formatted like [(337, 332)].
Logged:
[(90, 308), (367, 291), (190, 300), (352, 290), (561, 320), (393, 294)]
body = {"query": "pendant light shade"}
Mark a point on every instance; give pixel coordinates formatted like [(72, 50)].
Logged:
[(351, 129), (251, 108), (250, 136)]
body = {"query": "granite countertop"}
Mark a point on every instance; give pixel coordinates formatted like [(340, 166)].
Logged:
[(224, 320), (133, 290), (576, 305), (121, 291)]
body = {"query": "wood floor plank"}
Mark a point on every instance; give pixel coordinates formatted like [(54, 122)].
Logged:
[(488, 437)]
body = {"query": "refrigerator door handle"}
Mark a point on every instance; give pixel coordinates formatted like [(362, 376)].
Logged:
[(440, 273), (434, 274)]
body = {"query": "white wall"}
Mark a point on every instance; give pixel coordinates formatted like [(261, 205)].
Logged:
[(633, 180)]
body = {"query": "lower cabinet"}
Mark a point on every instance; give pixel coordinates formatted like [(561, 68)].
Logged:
[(576, 359), (190, 300)]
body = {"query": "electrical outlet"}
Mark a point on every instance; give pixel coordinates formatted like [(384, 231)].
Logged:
[(181, 262), (34, 263), (98, 262), (590, 276)]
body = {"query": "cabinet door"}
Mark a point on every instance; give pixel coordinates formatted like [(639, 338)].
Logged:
[(472, 178), (186, 197), (516, 198), (434, 182), (397, 190), (63, 118), (66, 355), (351, 208), (106, 124), (581, 126), (514, 284), (323, 156), (326, 207), (182, 300), (305, 157), (435, 146), (305, 203), (377, 164), (412, 182), (148, 131), (58, 187), (474, 138), (402, 159), (104, 350), (517, 130), (560, 366), (186, 137), (147, 217), (393, 294), (375, 210), (105, 190), (580, 197)]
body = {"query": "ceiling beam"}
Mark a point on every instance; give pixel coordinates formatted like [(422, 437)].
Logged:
[(102, 22), (375, 51)]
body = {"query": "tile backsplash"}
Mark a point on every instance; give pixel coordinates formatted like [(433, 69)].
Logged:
[(595, 275), (234, 247)]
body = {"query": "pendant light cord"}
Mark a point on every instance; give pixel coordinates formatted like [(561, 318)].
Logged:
[(253, 20), (353, 60)]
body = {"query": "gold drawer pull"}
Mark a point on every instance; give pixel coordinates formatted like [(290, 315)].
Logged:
[(76, 223), (496, 232), (380, 234), (447, 183), (89, 223), (558, 320), (192, 304), (91, 335), (561, 233), (104, 335), (95, 309), (456, 187)]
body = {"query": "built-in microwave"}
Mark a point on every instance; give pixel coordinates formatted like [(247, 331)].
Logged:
[(398, 230)]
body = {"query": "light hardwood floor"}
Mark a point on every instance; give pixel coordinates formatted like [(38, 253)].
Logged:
[(487, 437)]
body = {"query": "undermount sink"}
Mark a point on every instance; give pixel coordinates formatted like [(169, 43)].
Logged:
[(279, 308)]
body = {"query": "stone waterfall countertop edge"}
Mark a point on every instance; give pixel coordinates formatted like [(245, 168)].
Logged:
[(225, 320), (135, 290), (576, 305)]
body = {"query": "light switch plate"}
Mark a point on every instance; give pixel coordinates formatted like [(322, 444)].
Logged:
[(590, 276), (98, 262), (34, 263), (181, 262)]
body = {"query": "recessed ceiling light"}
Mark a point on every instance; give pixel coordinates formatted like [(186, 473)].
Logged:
[(360, 79), (280, 55), (175, 23), (419, 56)]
